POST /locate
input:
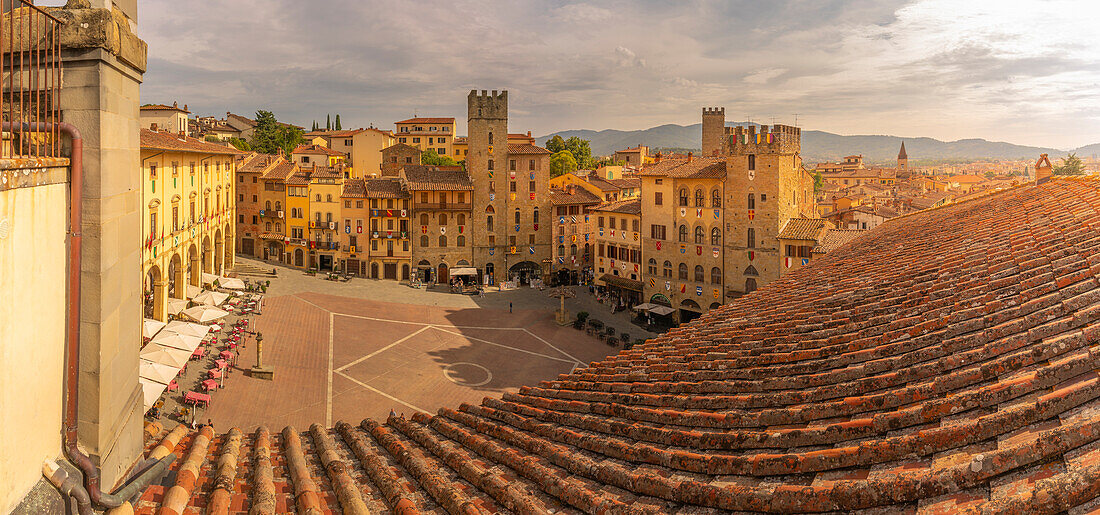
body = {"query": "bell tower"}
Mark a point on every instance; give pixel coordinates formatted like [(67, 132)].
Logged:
[(487, 163), (714, 128)]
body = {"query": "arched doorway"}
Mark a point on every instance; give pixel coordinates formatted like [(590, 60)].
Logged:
[(715, 305), (525, 271), (660, 298), (194, 269), (207, 256), (424, 271), (442, 275), (176, 283), (218, 261), (489, 272), (689, 310), (299, 257), (750, 285), (153, 294), (229, 243)]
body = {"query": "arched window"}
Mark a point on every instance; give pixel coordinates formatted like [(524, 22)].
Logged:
[(715, 236), (699, 273), (490, 138), (700, 236), (683, 196), (561, 250), (318, 197), (328, 198), (278, 206), (716, 275), (752, 201), (442, 240), (460, 219), (460, 241), (535, 215), (442, 218), (424, 240), (751, 270), (683, 271), (751, 243), (267, 205), (517, 217), (698, 198), (278, 227), (651, 266), (684, 233), (489, 223), (667, 269), (715, 198), (573, 249), (424, 219), (750, 285), (267, 226)]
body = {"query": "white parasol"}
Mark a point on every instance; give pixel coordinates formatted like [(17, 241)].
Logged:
[(151, 390), (165, 355), (176, 305), (178, 341), (187, 328), (158, 372), (210, 298), (231, 283), (150, 327), (204, 314)]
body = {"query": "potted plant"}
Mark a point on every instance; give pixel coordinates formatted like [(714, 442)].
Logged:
[(582, 316)]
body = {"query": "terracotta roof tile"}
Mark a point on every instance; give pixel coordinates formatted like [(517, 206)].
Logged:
[(427, 177), (579, 196), (631, 206), (385, 188), (835, 238), (523, 149), (944, 361), (281, 171), (803, 229), (173, 142), (316, 149), (428, 120), (354, 188), (694, 168)]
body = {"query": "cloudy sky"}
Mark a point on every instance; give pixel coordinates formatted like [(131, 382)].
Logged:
[(1027, 72)]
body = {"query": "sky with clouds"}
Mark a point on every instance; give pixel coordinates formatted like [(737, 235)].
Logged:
[(1023, 71)]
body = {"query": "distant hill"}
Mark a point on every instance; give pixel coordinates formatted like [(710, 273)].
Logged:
[(818, 146)]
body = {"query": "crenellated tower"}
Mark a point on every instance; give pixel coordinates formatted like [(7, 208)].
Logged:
[(486, 161), (714, 124)]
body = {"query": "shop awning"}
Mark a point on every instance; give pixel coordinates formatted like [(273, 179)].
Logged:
[(622, 282), (464, 271)]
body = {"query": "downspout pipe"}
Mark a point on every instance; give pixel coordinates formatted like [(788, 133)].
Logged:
[(72, 332)]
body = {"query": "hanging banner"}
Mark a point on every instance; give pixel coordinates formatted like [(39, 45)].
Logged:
[(683, 211), (658, 244), (683, 248), (561, 219), (698, 291), (716, 293), (442, 230), (698, 250), (752, 214), (716, 213), (715, 251)]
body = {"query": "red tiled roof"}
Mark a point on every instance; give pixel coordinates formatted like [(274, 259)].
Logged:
[(385, 188), (580, 196), (803, 229), (694, 168), (427, 120), (175, 143), (427, 177), (523, 148), (835, 238), (630, 206), (354, 188), (299, 178), (254, 162), (162, 107), (281, 171), (316, 149), (945, 363)]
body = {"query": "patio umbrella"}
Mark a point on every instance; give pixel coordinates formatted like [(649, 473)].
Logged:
[(645, 306), (165, 355), (662, 310), (158, 372), (192, 291), (204, 314), (187, 328), (231, 283), (176, 305), (210, 298), (149, 327), (178, 341), (151, 391), (208, 278)]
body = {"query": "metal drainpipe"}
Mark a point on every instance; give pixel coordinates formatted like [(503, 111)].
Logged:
[(72, 345)]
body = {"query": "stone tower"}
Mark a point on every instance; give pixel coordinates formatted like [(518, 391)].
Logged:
[(487, 163), (902, 171), (714, 128), (765, 187)]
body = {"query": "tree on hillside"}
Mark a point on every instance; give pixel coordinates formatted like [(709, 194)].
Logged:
[(1071, 165), (562, 163), (430, 157), (241, 144), (270, 136), (338, 122), (582, 152), (555, 144), (328, 122)]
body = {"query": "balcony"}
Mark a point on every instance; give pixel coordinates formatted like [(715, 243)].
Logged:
[(444, 206)]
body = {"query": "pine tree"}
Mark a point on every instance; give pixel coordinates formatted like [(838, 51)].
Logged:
[(315, 125), (338, 121), (328, 122)]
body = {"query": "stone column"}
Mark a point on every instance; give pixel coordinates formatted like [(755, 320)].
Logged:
[(103, 63), (160, 300), (195, 270)]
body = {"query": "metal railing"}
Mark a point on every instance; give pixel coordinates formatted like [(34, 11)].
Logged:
[(30, 50)]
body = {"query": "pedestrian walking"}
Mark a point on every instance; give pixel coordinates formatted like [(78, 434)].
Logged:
[(509, 307)]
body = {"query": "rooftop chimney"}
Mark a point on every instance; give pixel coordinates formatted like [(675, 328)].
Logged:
[(184, 107), (657, 157), (571, 188), (1043, 169), (689, 156)]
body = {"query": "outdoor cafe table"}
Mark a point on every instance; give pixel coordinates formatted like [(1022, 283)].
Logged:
[(198, 352), (221, 363), (210, 384), (226, 355), (196, 398), (214, 373)]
